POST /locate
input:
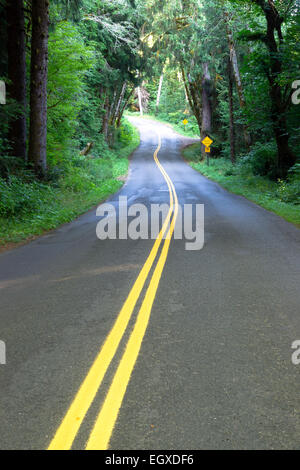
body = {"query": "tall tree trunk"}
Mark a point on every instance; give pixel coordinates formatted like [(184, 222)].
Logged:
[(122, 109), (120, 100), (286, 157), (192, 92), (159, 92), (186, 111), (187, 89), (231, 113), (110, 130), (206, 106), (38, 86), (237, 76), (105, 118), (195, 89), (113, 107), (17, 75)]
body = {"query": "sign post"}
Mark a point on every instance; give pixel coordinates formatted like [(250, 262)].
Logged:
[(207, 143)]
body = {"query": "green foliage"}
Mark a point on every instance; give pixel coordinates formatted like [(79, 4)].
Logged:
[(281, 197), (289, 190), (97, 46), (177, 118), (190, 33), (17, 196), (262, 159), (12, 165), (93, 51), (29, 207), (69, 60), (8, 112)]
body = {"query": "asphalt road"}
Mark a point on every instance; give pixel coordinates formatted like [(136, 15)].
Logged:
[(214, 370)]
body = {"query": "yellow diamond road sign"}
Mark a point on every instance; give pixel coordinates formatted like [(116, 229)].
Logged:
[(207, 141), (185, 122)]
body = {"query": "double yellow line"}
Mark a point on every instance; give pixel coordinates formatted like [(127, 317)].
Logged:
[(106, 419)]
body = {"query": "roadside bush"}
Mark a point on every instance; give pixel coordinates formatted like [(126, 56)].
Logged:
[(124, 134), (289, 190), (77, 180), (73, 185), (14, 166), (17, 196), (262, 159)]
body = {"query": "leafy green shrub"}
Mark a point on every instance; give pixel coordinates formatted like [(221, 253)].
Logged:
[(294, 172), (77, 180), (54, 174), (101, 169), (289, 190), (232, 171), (125, 133), (262, 159), (18, 197), (29, 207), (69, 61), (8, 165)]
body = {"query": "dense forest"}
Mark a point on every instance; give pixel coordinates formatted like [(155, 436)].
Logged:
[(73, 69)]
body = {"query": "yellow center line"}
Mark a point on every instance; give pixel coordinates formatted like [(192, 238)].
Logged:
[(105, 422), (69, 427)]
